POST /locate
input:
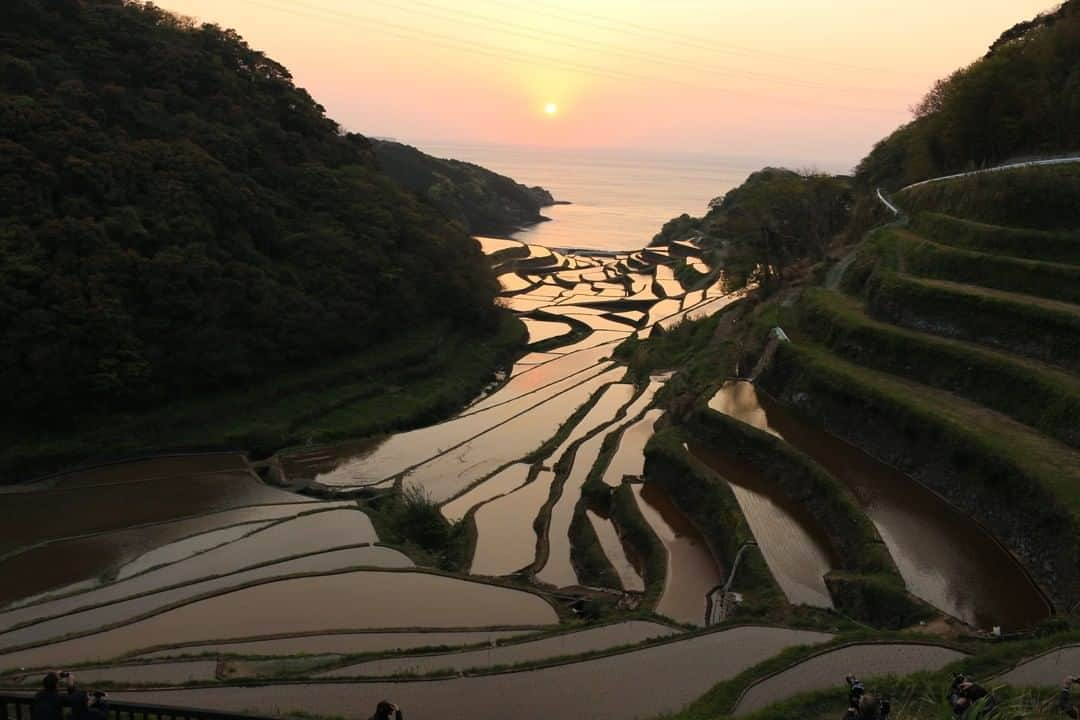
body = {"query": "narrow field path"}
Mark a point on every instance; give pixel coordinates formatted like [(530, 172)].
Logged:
[(341, 643), (606, 637), (829, 668), (635, 684)]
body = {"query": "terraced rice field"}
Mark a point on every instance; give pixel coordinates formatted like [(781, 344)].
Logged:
[(205, 573), (692, 571), (568, 644), (387, 599), (952, 372), (945, 557), (1049, 668), (637, 684), (829, 669)]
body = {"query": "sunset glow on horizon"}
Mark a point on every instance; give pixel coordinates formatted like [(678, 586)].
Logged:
[(812, 81)]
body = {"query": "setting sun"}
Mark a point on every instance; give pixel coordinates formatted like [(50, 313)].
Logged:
[(551, 108)]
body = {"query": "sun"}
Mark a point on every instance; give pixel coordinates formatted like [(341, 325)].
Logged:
[(551, 108)]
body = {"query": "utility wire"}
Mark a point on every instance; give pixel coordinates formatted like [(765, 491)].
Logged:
[(645, 31), (337, 18), (441, 13)]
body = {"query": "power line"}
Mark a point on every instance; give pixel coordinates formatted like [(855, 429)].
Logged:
[(529, 58), (645, 31), (442, 13)]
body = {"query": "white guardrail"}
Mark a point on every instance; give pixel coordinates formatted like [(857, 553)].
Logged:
[(1007, 166)]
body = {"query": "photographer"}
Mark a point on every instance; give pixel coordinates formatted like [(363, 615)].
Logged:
[(92, 705), (862, 705), (48, 702), (1065, 699), (964, 693), (386, 710)]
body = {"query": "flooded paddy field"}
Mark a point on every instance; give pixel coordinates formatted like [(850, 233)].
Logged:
[(1045, 669), (617, 554), (795, 547), (636, 684), (829, 668), (197, 555), (497, 485), (388, 599), (692, 571), (540, 330), (629, 458), (506, 541), (155, 468), (944, 556), (451, 473), (80, 563), (558, 569), (306, 534), (572, 643), (120, 611), (29, 517)]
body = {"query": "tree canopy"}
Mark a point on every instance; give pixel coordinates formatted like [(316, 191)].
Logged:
[(774, 218), (177, 216), (1022, 98), (485, 202)]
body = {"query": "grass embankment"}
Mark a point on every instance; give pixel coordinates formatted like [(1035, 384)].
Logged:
[(411, 521), (419, 378), (916, 255), (919, 696), (619, 504), (1046, 245), (1030, 392), (866, 584), (587, 555), (1025, 486), (635, 529), (1037, 197), (1035, 327), (1045, 331), (711, 506)]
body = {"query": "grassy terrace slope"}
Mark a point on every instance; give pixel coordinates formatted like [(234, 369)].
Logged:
[(1031, 392), (955, 360)]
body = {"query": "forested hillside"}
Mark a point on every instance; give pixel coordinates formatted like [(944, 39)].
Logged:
[(1028, 84), (485, 202), (775, 219), (179, 217)]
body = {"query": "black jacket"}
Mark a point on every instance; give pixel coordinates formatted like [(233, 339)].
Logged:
[(48, 705)]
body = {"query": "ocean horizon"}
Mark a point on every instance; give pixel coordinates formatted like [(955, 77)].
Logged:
[(619, 199)]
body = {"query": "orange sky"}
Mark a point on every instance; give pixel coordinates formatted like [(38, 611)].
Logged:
[(804, 81)]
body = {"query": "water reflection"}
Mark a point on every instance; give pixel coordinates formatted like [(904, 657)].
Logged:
[(795, 547), (617, 553), (945, 557), (692, 571), (506, 541)]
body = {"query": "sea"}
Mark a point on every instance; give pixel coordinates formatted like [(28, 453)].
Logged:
[(619, 198)]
